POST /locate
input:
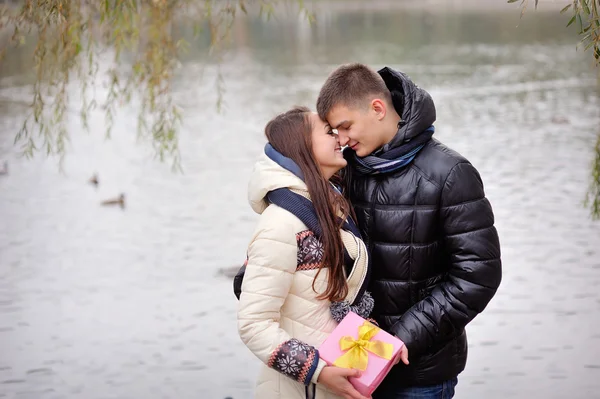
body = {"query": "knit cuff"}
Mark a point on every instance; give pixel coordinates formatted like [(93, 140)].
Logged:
[(295, 359)]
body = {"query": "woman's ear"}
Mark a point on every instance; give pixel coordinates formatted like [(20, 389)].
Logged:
[(378, 106)]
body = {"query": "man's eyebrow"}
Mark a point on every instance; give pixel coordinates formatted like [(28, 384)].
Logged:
[(341, 123)]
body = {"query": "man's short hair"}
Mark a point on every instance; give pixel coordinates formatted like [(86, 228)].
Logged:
[(351, 85)]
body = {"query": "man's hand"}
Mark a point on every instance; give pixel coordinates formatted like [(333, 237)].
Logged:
[(402, 355), (336, 380)]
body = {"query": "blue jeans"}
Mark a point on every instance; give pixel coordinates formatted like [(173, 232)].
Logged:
[(444, 390)]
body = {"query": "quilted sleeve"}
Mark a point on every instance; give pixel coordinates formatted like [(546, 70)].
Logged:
[(467, 222), (269, 273)]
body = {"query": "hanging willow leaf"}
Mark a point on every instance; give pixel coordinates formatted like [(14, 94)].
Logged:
[(566, 8)]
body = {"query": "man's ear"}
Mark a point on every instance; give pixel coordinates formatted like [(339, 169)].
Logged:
[(378, 106)]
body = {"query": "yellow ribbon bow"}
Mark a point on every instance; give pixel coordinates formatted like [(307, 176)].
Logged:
[(357, 356)]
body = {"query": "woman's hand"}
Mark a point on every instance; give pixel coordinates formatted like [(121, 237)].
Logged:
[(402, 355), (336, 380)]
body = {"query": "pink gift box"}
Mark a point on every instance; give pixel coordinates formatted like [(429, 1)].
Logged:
[(377, 367)]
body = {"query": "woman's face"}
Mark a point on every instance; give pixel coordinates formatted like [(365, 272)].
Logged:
[(326, 147)]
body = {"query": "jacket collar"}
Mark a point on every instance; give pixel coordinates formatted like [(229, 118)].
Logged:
[(414, 105)]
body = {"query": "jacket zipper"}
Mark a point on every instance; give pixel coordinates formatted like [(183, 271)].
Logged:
[(413, 295), (371, 216)]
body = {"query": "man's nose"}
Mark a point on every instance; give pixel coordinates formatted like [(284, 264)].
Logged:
[(343, 137)]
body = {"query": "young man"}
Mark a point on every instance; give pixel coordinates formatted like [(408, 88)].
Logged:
[(434, 249)]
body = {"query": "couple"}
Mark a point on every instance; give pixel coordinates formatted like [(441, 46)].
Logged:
[(396, 228)]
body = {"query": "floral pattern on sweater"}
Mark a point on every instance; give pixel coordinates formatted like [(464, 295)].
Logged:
[(310, 251), (296, 360)]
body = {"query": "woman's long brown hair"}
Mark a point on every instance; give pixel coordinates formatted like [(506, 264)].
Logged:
[(290, 134)]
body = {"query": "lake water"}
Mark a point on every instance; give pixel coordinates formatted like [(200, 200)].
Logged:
[(103, 302)]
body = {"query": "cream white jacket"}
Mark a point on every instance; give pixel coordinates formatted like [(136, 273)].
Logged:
[(280, 318)]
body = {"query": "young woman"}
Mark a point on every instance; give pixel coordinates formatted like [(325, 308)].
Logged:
[(307, 265)]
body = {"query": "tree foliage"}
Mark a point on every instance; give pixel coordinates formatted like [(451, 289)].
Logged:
[(593, 195), (72, 35), (585, 17)]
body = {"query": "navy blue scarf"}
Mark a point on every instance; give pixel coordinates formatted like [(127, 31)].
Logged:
[(394, 159)]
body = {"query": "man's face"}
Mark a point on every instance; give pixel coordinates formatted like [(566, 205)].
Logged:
[(358, 127)]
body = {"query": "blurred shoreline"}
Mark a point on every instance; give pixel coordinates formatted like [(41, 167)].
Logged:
[(437, 5)]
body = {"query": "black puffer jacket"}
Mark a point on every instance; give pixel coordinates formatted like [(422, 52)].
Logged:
[(434, 248)]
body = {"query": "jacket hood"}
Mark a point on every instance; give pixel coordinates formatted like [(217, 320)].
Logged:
[(266, 176), (414, 105)]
